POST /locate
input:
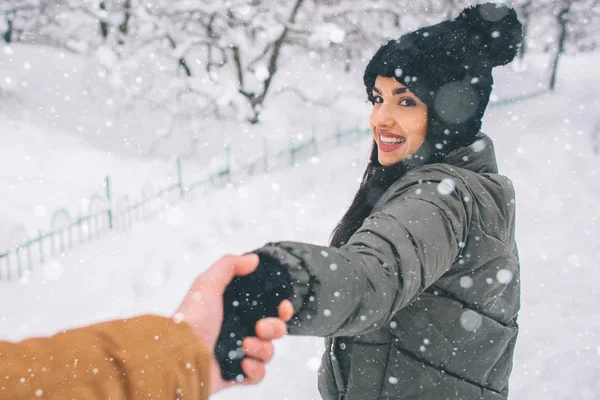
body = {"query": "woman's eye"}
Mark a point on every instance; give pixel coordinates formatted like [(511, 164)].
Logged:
[(377, 99), (407, 102)]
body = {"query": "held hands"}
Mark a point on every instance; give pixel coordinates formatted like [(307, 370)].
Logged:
[(202, 309), (247, 300)]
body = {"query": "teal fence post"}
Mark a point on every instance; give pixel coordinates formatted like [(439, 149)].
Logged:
[(52, 249), (40, 238), (266, 153), (228, 158), (29, 264), (109, 211), (18, 256), (8, 272), (180, 178), (70, 235), (314, 141)]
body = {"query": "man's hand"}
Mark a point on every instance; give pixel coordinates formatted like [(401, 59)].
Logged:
[(202, 309)]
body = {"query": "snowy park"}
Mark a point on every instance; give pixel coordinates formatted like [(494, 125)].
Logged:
[(131, 94)]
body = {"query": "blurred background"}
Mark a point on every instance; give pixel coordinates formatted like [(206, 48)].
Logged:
[(142, 140)]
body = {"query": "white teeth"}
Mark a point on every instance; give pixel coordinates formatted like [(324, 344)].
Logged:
[(386, 140)]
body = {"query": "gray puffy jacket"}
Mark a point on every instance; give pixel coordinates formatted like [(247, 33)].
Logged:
[(422, 301)]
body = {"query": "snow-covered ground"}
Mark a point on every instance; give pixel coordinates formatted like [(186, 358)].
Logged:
[(544, 144)]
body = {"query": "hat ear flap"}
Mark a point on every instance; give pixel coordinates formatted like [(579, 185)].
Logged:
[(494, 30)]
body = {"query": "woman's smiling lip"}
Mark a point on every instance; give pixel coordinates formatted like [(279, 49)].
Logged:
[(389, 147), (390, 135)]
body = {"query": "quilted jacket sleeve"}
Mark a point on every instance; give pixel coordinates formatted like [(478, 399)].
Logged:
[(139, 358), (398, 252)]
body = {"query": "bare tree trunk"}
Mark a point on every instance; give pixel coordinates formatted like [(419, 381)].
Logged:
[(561, 18), (7, 36), (124, 27), (348, 61), (103, 23), (182, 63), (256, 100), (525, 20)]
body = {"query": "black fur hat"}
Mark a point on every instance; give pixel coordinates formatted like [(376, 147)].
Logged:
[(449, 67)]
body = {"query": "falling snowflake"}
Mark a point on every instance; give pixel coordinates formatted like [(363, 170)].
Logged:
[(313, 363), (243, 192), (478, 146), (446, 186), (470, 320), (504, 276), (262, 73), (53, 270), (466, 282)]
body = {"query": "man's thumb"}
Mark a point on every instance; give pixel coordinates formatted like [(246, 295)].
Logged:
[(228, 267)]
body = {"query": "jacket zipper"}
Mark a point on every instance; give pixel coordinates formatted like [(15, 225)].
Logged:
[(337, 371)]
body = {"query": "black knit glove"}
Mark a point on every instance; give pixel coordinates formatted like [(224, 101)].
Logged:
[(246, 300)]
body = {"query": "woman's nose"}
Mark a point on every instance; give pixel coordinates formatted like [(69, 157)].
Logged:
[(382, 117)]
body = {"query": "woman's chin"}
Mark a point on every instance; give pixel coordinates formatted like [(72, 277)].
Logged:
[(389, 161)]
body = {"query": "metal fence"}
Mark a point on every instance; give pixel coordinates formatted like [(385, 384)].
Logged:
[(105, 215)]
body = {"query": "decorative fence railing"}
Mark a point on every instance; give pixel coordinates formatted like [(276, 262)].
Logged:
[(105, 215)]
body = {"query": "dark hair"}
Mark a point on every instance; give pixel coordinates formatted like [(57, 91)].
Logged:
[(376, 180)]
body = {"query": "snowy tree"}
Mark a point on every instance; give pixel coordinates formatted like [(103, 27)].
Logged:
[(223, 56), (199, 59), (574, 19), (22, 18)]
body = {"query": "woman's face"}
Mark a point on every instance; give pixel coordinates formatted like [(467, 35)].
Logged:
[(398, 121)]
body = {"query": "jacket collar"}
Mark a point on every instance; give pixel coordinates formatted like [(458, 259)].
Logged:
[(478, 157)]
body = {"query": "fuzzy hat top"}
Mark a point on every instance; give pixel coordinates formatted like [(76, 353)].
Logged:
[(449, 67)]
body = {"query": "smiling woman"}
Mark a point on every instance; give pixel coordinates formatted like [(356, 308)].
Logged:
[(418, 291)]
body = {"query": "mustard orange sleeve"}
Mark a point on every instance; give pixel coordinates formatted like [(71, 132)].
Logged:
[(138, 358)]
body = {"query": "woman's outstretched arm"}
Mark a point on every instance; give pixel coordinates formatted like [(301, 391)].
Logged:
[(396, 254)]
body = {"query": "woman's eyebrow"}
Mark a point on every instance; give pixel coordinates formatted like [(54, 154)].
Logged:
[(395, 92)]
